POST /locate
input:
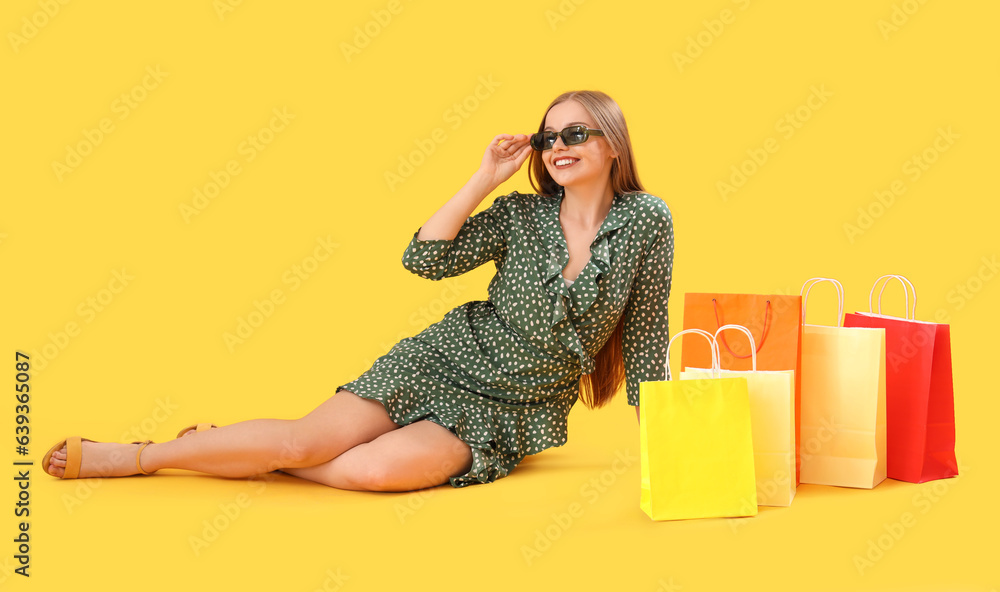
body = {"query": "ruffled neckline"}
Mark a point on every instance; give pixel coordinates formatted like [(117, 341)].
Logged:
[(582, 294)]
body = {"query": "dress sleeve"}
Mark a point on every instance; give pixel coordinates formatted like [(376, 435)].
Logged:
[(645, 332), (481, 238)]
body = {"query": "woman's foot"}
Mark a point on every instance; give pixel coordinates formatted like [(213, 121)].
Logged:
[(98, 459)]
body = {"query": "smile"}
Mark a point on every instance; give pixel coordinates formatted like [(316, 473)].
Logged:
[(565, 162)]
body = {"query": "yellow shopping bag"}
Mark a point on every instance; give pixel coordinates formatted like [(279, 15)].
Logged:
[(696, 447), (772, 420), (843, 438)]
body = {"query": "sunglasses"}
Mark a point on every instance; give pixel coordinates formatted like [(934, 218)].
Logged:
[(574, 134)]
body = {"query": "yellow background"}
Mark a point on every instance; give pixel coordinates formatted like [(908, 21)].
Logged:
[(153, 358)]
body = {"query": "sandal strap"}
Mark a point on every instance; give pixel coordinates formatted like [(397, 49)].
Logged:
[(198, 427), (138, 453), (74, 457)]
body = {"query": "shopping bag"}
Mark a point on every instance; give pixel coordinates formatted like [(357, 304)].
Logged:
[(772, 422), (843, 430), (920, 398), (776, 319), (696, 446)]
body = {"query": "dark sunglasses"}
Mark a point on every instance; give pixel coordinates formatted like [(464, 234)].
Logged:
[(574, 134)]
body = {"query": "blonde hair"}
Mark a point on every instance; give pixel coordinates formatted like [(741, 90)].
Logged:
[(609, 119), (601, 385)]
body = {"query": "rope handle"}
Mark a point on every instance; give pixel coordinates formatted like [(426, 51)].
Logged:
[(767, 325), (907, 288), (753, 351), (808, 286), (716, 373)]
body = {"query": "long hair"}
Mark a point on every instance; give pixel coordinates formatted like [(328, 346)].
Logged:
[(609, 119), (601, 385)]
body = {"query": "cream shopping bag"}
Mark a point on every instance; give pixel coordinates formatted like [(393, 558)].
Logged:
[(843, 437)]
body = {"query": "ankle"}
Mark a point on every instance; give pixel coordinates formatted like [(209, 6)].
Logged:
[(142, 461)]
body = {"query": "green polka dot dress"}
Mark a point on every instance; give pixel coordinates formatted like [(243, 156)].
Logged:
[(502, 374)]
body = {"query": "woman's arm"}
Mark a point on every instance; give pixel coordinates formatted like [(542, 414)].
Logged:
[(645, 333), (446, 222), (499, 164)]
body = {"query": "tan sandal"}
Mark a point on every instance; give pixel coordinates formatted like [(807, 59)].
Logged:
[(198, 427), (74, 456)]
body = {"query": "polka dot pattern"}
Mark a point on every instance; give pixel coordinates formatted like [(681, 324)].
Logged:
[(502, 374)]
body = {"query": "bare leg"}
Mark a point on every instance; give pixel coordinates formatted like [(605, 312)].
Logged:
[(422, 454), (249, 447)]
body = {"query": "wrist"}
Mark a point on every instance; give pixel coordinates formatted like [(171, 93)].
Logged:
[(483, 182)]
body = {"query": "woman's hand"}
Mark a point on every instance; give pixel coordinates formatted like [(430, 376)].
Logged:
[(500, 163), (503, 158)]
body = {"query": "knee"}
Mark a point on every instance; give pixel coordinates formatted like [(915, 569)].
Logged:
[(299, 449), (377, 477), (362, 473), (385, 475)]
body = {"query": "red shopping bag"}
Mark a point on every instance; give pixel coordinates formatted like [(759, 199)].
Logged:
[(776, 324), (920, 400)]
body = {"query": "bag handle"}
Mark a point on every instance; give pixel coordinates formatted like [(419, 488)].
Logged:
[(808, 286), (763, 336), (753, 351), (906, 284), (716, 373)]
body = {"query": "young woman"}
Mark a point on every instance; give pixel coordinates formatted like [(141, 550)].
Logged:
[(577, 307)]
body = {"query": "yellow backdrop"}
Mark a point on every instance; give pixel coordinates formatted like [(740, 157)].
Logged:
[(204, 206)]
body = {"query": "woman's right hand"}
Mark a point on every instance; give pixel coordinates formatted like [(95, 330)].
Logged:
[(500, 163), (504, 159)]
